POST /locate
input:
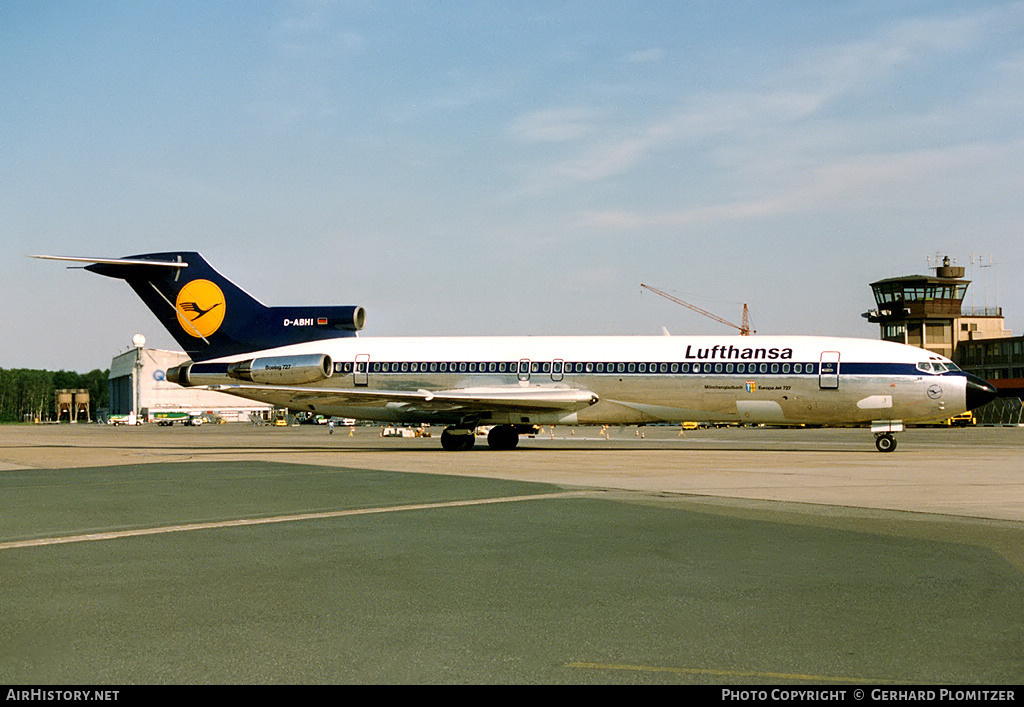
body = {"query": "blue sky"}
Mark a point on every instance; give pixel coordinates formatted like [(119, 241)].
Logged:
[(507, 168)]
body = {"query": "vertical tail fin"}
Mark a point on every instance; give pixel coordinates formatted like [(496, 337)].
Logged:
[(210, 316)]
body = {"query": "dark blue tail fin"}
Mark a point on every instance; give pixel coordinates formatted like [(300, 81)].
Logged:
[(210, 316)]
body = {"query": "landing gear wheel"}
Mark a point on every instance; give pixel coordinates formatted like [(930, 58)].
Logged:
[(457, 441), (503, 437), (885, 443)]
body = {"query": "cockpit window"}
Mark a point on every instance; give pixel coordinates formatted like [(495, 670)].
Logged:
[(936, 367)]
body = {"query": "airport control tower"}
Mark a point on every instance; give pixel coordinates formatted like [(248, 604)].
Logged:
[(927, 311)]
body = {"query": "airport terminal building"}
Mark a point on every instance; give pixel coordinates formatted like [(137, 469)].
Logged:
[(1000, 362), (138, 384)]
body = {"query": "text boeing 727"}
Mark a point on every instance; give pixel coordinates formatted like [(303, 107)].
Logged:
[(310, 359)]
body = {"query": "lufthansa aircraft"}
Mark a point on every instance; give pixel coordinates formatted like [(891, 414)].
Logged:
[(310, 359)]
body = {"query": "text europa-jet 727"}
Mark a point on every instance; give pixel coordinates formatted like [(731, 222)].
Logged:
[(310, 359)]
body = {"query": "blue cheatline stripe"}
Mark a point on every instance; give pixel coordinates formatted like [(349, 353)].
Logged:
[(612, 368), (646, 368)]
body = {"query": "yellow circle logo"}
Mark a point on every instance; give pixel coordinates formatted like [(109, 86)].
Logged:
[(200, 306)]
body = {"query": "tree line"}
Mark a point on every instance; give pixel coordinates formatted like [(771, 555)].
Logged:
[(29, 394)]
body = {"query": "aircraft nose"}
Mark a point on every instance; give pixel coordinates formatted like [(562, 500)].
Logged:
[(979, 392)]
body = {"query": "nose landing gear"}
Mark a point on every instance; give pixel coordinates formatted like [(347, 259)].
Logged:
[(884, 429), (885, 442)]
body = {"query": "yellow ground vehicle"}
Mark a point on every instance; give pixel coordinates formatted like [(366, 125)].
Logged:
[(964, 419)]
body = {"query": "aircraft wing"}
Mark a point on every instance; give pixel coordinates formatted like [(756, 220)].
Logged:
[(508, 399)]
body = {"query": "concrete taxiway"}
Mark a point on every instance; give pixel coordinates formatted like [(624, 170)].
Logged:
[(234, 553)]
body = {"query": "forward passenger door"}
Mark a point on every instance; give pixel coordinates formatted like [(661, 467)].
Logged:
[(828, 373)]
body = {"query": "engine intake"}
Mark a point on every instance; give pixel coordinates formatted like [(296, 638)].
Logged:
[(179, 374), (283, 370), (358, 319)]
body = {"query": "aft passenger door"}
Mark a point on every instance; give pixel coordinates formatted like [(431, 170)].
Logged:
[(828, 373), (361, 370)]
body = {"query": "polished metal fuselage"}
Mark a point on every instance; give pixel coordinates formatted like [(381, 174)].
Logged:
[(783, 380)]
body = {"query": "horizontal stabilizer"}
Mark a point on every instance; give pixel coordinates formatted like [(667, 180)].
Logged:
[(113, 261)]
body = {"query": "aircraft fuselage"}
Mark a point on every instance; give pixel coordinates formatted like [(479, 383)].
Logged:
[(635, 380)]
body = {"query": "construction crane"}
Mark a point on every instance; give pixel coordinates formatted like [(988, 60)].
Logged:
[(744, 328)]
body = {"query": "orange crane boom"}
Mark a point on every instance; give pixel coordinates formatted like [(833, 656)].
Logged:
[(744, 328)]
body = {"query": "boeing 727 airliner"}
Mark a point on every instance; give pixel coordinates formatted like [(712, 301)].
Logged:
[(311, 359)]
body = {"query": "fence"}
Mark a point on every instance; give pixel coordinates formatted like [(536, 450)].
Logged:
[(1001, 411)]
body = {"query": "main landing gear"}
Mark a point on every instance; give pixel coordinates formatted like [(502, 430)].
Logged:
[(503, 437), (459, 439), (885, 442)]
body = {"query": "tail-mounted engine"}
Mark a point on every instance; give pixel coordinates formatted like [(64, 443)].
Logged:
[(283, 370), (269, 370)]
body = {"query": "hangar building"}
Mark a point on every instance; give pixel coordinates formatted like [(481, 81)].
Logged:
[(138, 383)]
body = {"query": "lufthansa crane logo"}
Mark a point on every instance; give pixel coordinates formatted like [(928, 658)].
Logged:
[(200, 306)]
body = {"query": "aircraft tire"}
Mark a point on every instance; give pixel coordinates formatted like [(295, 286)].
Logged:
[(503, 437), (885, 443), (453, 442)]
